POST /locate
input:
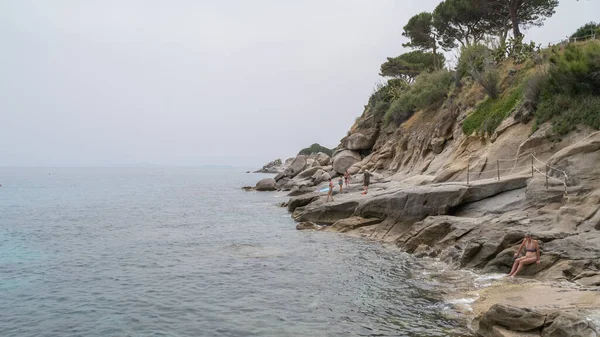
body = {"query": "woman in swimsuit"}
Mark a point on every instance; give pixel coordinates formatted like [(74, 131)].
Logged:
[(532, 254), (347, 178), (341, 184), (330, 193)]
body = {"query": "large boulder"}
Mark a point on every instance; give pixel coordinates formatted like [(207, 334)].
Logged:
[(308, 173), (511, 318), (323, 159), (296, 166), (321, 176), (358, 141), (565, 324), (267, 184), (344, 159), (302, 200)]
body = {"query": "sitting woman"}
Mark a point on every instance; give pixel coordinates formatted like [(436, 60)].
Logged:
[(532, 254)]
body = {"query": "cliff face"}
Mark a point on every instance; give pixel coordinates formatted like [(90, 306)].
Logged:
[(518, 181)]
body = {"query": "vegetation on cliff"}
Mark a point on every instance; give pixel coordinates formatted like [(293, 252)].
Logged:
[(559, 84)]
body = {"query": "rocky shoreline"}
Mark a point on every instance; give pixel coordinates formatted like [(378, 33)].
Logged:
[(465, 197), (476, 225)]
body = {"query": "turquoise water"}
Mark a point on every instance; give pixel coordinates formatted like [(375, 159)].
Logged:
[(186, 252)]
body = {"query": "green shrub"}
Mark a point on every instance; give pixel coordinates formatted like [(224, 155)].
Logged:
[(430, 90), (576, 70), (586, 30), (479, 62), (400, 110), (316, 148), (380, 108), (472, 58), (571, 94), (489, 114)]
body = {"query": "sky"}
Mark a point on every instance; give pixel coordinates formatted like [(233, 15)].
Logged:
[(229, 82)]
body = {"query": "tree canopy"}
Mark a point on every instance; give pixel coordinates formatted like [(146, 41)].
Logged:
[(409, 65), (422, 34), (586, 30)]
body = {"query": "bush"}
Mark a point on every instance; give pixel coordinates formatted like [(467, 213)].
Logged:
[(380, 108), (479, 62), (489, 114), (400, 110), (586, 30), (316, 148), (571, 94), (566, 112), (430, 90), (533, 87)]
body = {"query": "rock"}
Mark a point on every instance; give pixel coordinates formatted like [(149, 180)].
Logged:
[(267, 184), (425, 250), (284, 184), (590, 281), (324, 176), (278, 176), (300, 190), (417, 180), (308, 225), (437, 144), (565, 324), (315, 164), (352, 223), (327, 213), (344, 159), (247, 188), (502, 332), (296, 166), (323, 159), (308, 173), (272, 167), (511, 318), (358, 141), (301, 200)]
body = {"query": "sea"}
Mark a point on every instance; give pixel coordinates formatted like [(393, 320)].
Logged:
[(186, 252)]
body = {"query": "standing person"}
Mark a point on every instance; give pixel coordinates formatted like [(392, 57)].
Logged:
[(366, 180), (532, 254), (341, 184), (347, 178), (330, 193)]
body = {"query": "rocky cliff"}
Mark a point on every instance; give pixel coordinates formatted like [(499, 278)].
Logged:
[(467, 199)]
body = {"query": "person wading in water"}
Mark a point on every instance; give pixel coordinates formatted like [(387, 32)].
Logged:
[(532, 254)]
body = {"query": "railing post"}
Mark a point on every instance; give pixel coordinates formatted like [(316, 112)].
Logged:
[(532, 165), (546, 176), (468, 164), (498, 168)]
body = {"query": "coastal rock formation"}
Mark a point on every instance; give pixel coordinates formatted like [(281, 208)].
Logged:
[(359, 141), (344, 159), (505, 320), (296, 166), (267, 184), (272, 167)]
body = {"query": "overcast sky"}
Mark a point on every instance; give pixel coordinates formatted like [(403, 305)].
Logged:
[(236, 82)]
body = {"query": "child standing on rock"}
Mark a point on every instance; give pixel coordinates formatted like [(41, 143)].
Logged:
[(330, 193), (341, 184)]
